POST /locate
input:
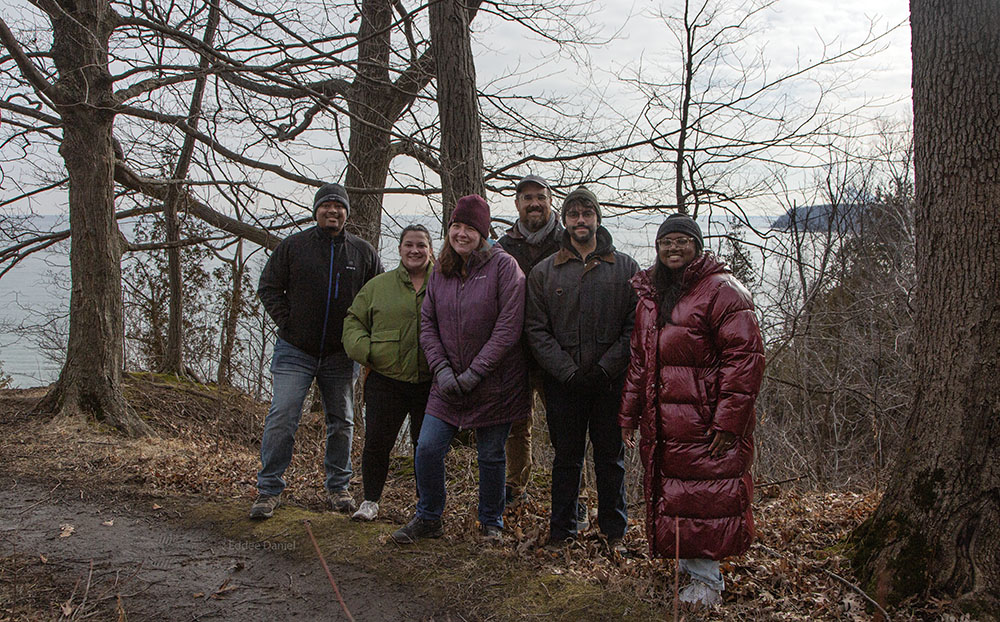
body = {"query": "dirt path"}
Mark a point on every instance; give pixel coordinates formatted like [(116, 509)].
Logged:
[(164, 572)]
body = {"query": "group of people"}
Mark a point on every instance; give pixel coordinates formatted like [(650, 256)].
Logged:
[(461, 341)]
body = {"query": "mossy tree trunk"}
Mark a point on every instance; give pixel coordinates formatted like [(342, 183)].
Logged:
[(937, 529)]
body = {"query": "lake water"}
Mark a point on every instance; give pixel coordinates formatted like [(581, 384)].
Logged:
[(38, 289)]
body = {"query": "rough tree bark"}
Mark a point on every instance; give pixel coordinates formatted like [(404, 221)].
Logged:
[(90, 381), (937, 529), (371, 90), (458, 106)]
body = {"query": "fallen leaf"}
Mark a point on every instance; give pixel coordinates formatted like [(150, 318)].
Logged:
[(109, 523), (157, 506), (67, 608), (66, 531), (198, 595), (44, 559)]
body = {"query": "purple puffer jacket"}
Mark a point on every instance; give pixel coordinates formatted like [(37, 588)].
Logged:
[(476, 322)]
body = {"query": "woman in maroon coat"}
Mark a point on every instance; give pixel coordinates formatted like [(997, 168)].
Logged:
[(696, 366)]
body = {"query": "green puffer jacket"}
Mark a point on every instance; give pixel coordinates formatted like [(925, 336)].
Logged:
[(383, 324)]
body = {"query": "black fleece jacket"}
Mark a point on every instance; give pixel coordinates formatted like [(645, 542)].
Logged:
[(309, 282)]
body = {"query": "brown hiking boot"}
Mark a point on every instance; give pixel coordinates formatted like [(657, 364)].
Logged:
[(342, 501), (264, 506)]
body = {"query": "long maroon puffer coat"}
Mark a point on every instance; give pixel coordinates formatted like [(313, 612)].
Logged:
[(697, 374)]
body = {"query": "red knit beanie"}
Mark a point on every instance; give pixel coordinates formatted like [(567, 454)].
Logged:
[(472, 210)]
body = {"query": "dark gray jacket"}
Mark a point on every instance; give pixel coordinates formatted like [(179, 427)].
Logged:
[(310, 281), (580, 311)]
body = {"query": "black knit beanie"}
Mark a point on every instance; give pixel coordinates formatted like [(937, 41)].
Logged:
[(584, 196), (332, 192), (682, 223)]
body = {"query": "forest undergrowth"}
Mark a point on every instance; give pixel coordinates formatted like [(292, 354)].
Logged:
[(206, 452)]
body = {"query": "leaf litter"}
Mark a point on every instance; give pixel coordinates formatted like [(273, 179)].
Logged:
[(208, 445)]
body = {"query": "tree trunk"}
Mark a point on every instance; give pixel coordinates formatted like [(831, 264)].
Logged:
[(372, 91), (176, 195), (225, 373), (90, 381), (937, 529), (458, 104)]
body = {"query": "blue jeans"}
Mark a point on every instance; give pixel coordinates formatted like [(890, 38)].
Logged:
[(292, 373), (433, 446), (571, 414)]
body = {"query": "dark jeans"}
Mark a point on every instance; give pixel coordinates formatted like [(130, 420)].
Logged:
[(435, 442), (387, 402), (571, 414)]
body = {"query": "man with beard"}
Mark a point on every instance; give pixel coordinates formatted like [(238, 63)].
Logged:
[(307, 286), (534, 236), (578, 322)]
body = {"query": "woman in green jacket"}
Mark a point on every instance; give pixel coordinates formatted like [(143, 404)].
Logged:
[(380, 332)]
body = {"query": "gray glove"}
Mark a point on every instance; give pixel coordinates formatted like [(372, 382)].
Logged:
[(447, 382), (468, 380)]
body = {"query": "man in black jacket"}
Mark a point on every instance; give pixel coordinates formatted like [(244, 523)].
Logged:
[(534, 236), (306, 287), (578, 322)]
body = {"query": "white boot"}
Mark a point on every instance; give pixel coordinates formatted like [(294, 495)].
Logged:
[(367, 511), (699, 594)]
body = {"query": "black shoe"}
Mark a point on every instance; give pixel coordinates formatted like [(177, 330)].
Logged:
[(416, 529), (616, 545), (512, 499), (582, 516), (556, 545)]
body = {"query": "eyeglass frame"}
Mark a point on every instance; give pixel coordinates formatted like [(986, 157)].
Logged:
[(665, 242)]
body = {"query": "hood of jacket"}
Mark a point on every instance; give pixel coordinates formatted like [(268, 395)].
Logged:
[(700, 267)]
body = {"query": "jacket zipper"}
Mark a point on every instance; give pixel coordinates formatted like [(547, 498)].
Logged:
[(329, 288), (458, 313)]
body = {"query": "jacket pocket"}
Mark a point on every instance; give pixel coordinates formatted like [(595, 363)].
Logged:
[(384, 355)]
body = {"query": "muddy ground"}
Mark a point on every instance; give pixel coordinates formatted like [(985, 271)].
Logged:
[(120, 558)]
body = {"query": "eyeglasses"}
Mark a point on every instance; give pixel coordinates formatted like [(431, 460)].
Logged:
[(674, 242), (584, 213)]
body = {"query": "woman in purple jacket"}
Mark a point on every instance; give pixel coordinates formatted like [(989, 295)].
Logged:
[(470, 326)]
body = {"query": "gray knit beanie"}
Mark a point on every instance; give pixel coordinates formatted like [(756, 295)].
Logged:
[(332, 192)]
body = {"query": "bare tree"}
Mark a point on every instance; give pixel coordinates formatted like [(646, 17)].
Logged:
[(720, 117), (90, 382), (937, 528), (458, 105)]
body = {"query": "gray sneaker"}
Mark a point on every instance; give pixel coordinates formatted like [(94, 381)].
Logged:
[(343, 502), (582, 516), (491, 534), (416, 529), (264, 506)]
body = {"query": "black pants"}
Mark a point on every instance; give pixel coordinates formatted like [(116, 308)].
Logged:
[(387, 402), (571, 414)]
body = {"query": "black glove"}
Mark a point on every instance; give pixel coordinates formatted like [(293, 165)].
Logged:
[(447, 382), (468, 380), (590, 381)]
